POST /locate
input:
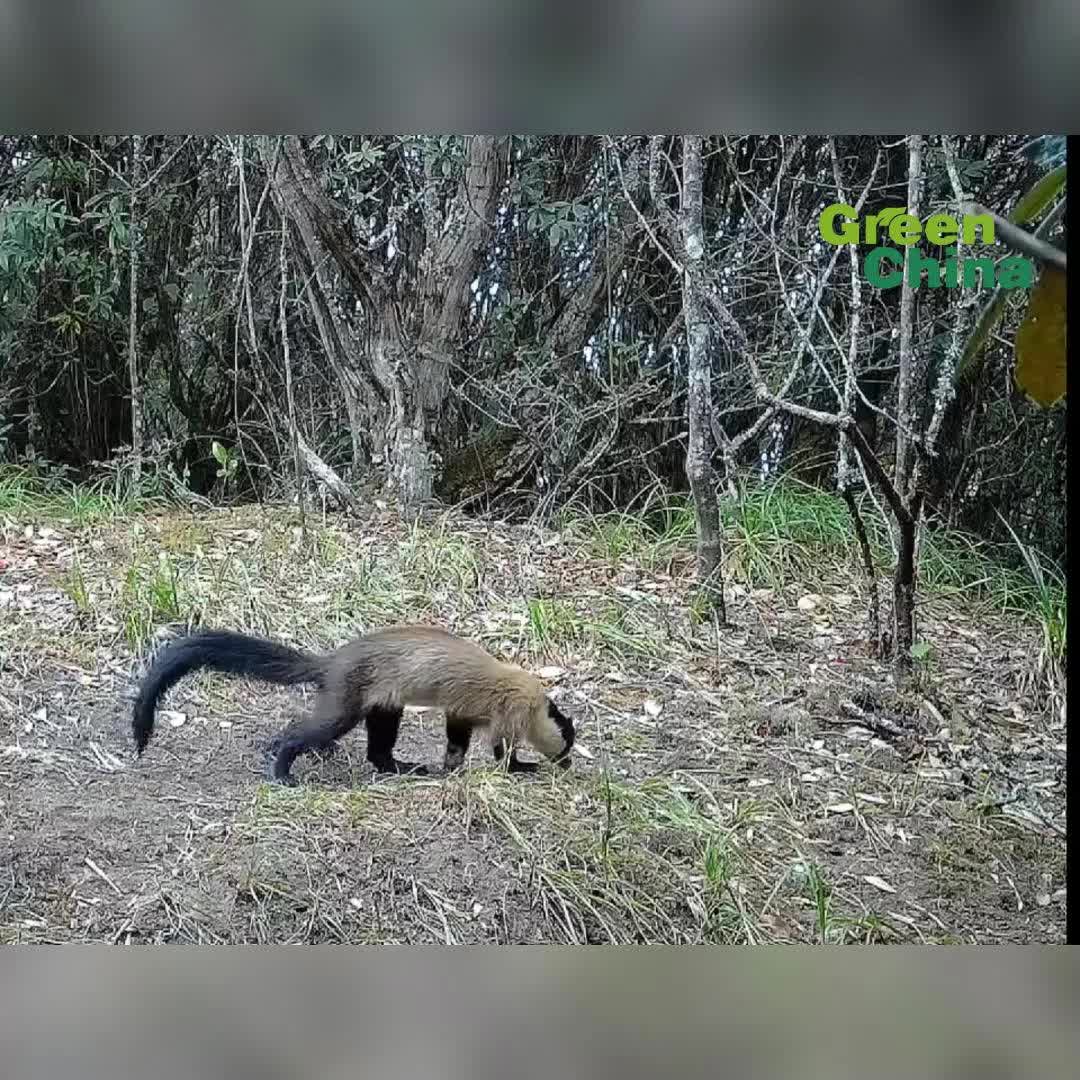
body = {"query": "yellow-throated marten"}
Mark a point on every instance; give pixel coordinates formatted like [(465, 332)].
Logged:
[(371, 679)]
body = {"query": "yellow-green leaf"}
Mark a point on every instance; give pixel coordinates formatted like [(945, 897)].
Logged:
[(1040, 341), (1038, 196)]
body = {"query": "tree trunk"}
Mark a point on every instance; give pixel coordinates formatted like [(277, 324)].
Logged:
[(906, 378), (322, 244), (33, 421), (137, 420), (286, 355), (326, 475), (699, 389), (904, 595), (393, 360), (873, 609), (342, 350), (906, 517), (454, 252), (584, 308), (410, 469), (906, 526)]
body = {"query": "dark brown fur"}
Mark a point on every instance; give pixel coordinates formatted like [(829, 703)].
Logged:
[(371, 680)]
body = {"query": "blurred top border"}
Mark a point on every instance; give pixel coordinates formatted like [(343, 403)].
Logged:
[(483, 66)]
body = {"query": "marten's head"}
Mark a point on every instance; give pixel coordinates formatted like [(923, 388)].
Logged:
[(551, 732)]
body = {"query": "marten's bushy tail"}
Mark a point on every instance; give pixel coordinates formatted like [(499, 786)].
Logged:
[(218, 650)]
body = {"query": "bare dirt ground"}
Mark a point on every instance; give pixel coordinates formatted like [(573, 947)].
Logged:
[(765, 783)]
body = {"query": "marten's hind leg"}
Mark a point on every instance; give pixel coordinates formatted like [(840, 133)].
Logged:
[(274, 743), (327, 723), (383, 723)]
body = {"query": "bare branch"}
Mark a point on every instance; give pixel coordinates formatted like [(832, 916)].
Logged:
[(1020, 240)]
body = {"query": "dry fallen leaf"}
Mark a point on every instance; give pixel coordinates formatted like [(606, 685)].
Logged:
[(878, 883)]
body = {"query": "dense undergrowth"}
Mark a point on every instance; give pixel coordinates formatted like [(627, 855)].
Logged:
[(775, 533)]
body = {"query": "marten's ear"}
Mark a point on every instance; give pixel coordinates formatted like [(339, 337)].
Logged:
[(566, 730)]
